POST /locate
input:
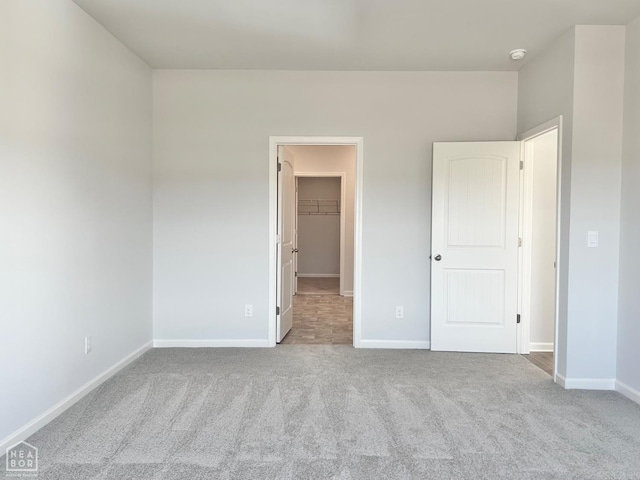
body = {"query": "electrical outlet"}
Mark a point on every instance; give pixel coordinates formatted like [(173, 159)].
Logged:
[(88, 344), (248, 310), (399, 312)]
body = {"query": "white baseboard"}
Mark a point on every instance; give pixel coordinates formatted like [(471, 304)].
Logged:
[(540, 347), (627, 391), (400, 344), (586, 383), (318, 275), (211, 343), (348, 293), (41, 420)]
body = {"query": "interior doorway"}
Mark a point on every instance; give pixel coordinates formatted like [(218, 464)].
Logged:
[(539, 262), (495, 245), (315, 213), (322, 228)]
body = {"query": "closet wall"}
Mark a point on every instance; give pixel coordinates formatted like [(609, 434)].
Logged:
[(319, 226)]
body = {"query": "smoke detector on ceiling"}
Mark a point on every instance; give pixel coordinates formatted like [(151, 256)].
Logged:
[(517, 54)]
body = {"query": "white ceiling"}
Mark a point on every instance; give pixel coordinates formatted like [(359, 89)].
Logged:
[(346, 34)]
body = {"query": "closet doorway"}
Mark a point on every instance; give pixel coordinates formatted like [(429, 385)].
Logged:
[(323, 258), (320, 233)]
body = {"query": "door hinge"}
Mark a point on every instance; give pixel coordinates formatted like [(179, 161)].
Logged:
[(279, 167), (296, 274), (519, 242), (277, 310), (518, 318), (521, 165)]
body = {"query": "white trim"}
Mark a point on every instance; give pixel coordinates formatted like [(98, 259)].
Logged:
[(274, 142), (397, 344), (586, 383), (541, 347), (343, 219), (348, 293), (296, 235), (522, 347), (318, 275), (627, 391), (41, 420), (546, 127), (211, 343), (522, 333)]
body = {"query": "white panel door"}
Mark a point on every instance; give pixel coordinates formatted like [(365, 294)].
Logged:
[(474, 252), (286, 225), (295, 241)]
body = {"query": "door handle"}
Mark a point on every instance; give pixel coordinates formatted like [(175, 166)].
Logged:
[(437, 258), (294, 250)]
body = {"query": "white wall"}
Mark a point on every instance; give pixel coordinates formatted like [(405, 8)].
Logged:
[(211, 134), (313, 188), (319, 235), (595, 201), (629, 302), (75, 204), (581, 77), (543, 241)]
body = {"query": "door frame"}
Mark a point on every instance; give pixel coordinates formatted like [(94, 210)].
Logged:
[(343, 218), (526, 183), (274, 142)]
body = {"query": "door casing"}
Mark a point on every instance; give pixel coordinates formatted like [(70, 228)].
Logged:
[(524, 286)]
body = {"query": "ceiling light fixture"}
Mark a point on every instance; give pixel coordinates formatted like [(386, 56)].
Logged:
[(517, 54)]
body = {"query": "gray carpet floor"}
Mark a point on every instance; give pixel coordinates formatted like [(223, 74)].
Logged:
[(302, 412)]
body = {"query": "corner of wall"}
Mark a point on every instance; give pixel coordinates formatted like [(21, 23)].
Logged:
[(628, 324)]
